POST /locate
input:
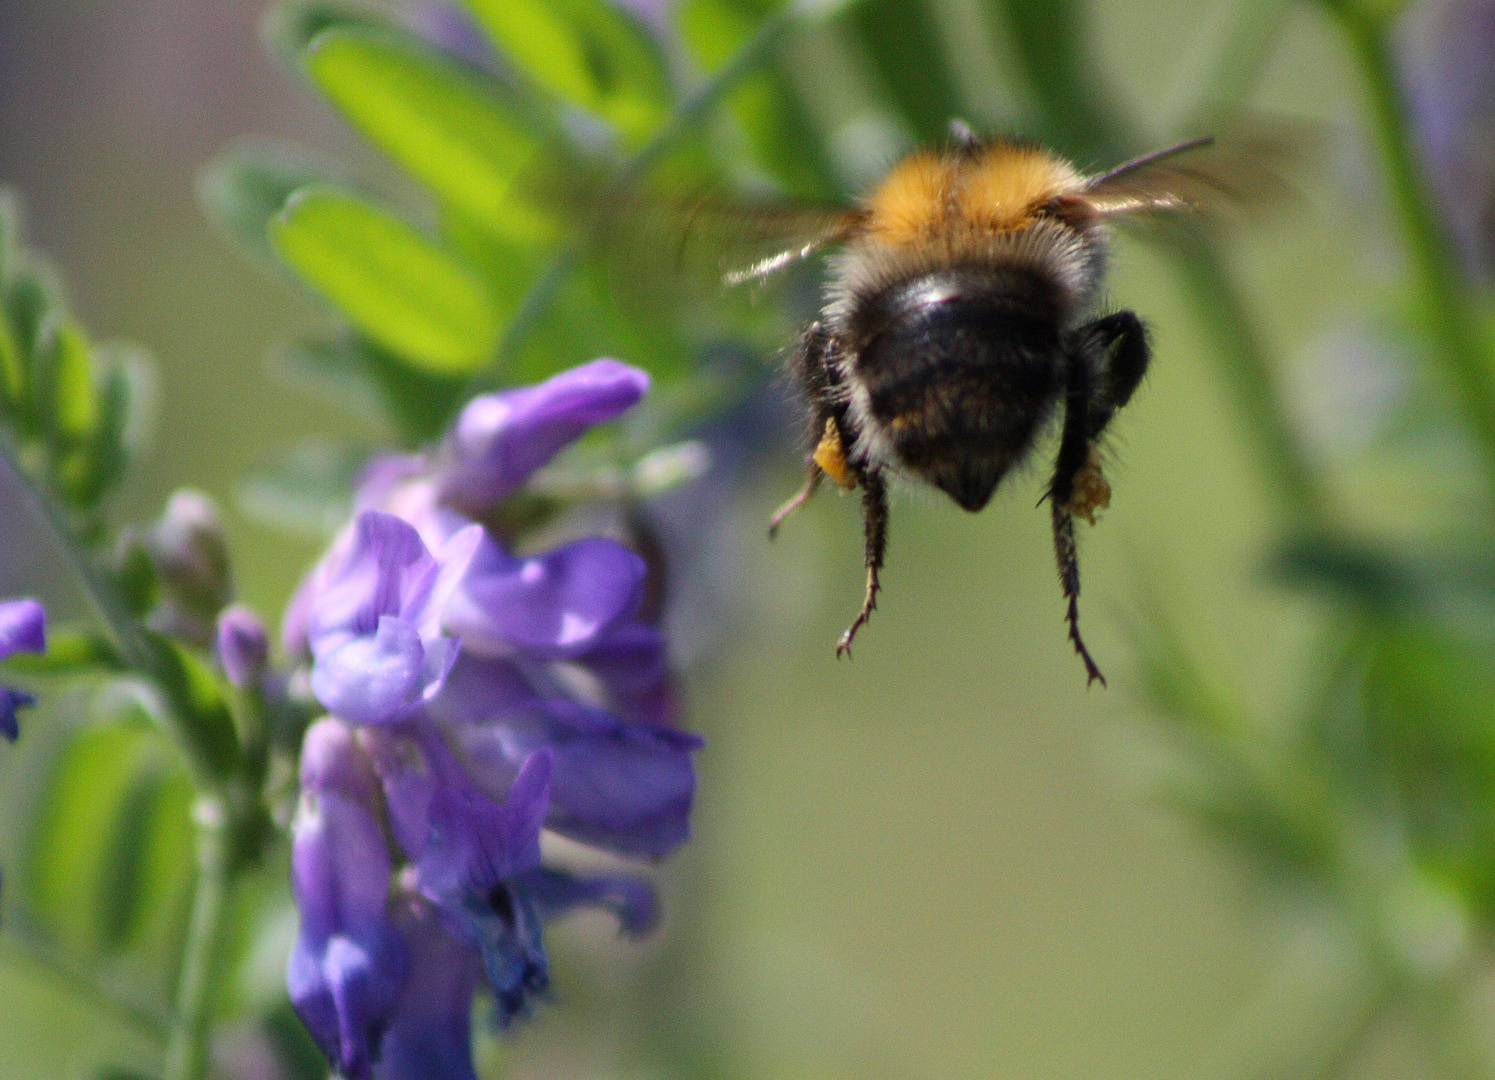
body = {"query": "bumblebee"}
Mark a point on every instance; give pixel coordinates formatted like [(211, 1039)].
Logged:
[(962, 312), (962, 316)]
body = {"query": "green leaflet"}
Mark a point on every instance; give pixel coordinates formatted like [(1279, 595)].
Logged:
[(402, 290), (111, 854), (587, 53), (436, 119)]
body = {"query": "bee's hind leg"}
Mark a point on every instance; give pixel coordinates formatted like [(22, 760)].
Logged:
[(1072, 477), (875, 519), (812, 483)]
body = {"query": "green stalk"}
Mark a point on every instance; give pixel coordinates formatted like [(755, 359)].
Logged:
[(187, 1048), (564, 263), (1452, 326), (1249, 371)]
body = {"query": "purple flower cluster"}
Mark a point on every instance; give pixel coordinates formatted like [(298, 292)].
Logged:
[(477, 697), (23, 628)]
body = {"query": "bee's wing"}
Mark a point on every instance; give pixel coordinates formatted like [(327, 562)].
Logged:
[(1245, 168), (717, 238)]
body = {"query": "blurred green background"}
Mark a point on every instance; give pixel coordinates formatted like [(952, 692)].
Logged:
[(933, 861)]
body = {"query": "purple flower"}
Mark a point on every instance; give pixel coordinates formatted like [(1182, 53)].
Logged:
[(243, 646), (624, 787), (23, 628), (375, 627), (349, 963), (501, 439), (482, 696)]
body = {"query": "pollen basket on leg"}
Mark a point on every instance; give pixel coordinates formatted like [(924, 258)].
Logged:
[(830, 455)]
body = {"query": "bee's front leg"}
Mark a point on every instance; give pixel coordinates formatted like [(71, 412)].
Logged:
[(875, 521)]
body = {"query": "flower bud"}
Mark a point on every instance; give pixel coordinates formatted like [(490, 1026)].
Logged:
[(243, 646), (191, 554)]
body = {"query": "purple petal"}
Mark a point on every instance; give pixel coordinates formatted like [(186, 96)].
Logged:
[(557, 604), (632, 899), (475, 844), (345, 992), (243, 646), (632, 665), (501, 439), (378, 679), (622, 787), (12, 699), (340, 867), (430, 1038), (23, 627), (385, 566), (349, 962)]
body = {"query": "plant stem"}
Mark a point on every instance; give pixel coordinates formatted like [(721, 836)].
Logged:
[(118, 622), (1253, 383), (561, 266), (1451, 322), (187, 1050)]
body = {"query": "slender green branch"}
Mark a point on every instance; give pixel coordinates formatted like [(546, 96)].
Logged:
[(1249, 371), (187, 1050), (695, 107), (118, 621), (1451, 324)]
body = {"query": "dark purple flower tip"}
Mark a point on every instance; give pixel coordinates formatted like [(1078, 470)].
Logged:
[(501, 439), (557, 604), (345, 995), (243, 646), (375, 627), (23, 627), (10, 701), (430, 1036), (632, 899)]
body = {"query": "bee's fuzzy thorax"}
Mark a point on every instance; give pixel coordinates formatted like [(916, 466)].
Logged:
[(998, 187)]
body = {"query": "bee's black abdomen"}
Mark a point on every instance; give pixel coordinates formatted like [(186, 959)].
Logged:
[(961, 369)]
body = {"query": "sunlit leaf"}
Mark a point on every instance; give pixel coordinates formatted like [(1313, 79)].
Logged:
[(394, 284), (586, 52), (243, 189), (438, 120), (111, 857), (289, 27), (779, 137)]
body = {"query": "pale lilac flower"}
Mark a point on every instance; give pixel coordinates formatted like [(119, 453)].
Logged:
[(375, 627)]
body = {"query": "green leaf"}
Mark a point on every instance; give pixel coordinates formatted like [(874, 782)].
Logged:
[(357, 374), (69, 652), (780, 138), (111, 856), (306, 489), (439, 120), (243, 190), (397, 286), (197, 698), (588, 53), (288, 28)]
